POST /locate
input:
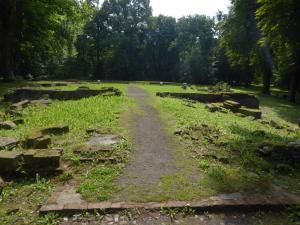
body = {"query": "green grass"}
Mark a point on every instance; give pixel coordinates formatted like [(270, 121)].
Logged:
[(95, 180), (20, 201), (99, 183), (237, 141), (198, 176)]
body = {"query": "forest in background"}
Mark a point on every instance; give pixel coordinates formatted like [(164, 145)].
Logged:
[(258, 41)]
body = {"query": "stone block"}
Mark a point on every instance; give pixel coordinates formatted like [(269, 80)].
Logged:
[(41, 160), (55, 130), (2, 185), (232, 105), (13, 112), (213, 107), (18, 121), (8, 142), (36, 140), (250, 112), (7, 125), (9, 161), (20, 105)]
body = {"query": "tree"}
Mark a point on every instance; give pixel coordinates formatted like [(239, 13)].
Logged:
[(162, 57), (195, 41), (279, 21), (36, 36), (239, 38)]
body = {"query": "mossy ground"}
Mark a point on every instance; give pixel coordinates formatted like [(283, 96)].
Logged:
[(198, 176)]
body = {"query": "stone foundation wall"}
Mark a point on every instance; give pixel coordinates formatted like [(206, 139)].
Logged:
[(249, 101), (34, 94)]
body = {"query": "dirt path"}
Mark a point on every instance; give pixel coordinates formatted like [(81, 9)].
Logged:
[(152, 157)]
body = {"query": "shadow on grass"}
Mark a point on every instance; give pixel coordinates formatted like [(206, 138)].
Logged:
[(247, 171), (284, 109)]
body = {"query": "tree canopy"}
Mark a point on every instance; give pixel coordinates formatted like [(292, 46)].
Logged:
[(256, 42)]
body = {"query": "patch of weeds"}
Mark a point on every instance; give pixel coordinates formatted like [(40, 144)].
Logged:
[(204, 164), (131, 214), (293, 214), (171, 213), (48, 219), (188, 211), (65, 177), (20, 200), (99, 182), (75, 159)]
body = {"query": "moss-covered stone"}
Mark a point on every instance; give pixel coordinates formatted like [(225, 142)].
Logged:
[(250, 112), (41, 160), (7, 125), (232, 105), (9, 161), (55, 130), (36, 140), (8, 142)]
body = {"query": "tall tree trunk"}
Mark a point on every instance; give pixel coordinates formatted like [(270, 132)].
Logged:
[(268, 68), (295, 80), (7, 12)]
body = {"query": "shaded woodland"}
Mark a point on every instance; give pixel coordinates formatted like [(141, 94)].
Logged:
[(257, 42)]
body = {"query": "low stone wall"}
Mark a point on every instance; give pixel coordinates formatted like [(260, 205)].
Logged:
[(249, 101), (34, 94)]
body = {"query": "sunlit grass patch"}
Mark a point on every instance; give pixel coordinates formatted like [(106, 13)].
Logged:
[(238, 140), (99, 182), (94, 112)]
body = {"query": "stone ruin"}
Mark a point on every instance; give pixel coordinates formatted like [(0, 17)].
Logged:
[(22, 94), (288, 153), (37, 158), (99, 147), (240, 103)]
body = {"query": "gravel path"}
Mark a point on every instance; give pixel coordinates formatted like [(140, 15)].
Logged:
[(152, 157)]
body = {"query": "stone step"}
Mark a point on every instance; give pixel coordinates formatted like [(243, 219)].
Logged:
[(221, 203)]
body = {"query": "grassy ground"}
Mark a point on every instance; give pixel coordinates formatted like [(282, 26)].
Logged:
[(96, 180), (228, 162), (225, 163)]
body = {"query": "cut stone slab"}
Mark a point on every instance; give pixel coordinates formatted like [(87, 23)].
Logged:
[(241, 202), (55, 130), (99, 131), (232, 105), (213, 107), (250, 112), (45, 102), (9, 161), (112, 160), (92, 150), (45, 160), (275, 125), (35, 94), (18, 121), (289, 153), (20, 105), (36, 140), (104, 140), (2, 185), (7, 125), (8, 142), (13, 112)]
